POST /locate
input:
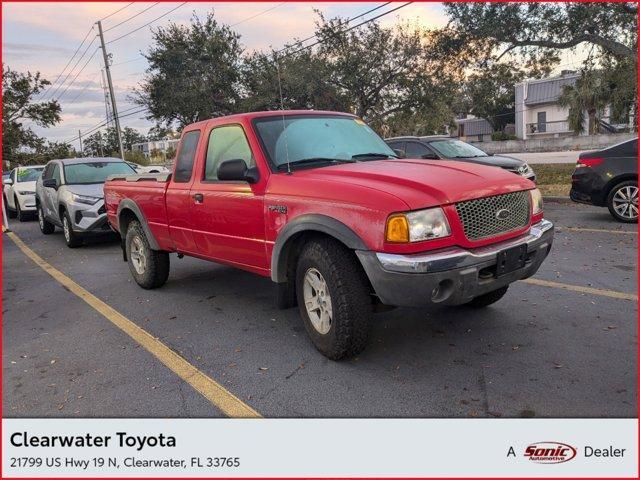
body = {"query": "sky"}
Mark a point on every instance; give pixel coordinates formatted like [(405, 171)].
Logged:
[(42, 37)]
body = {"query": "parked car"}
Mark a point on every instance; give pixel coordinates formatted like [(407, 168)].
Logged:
[(69, 195), (148, 168), (19, 191), (315, 201), (609, 177), (446, 148)]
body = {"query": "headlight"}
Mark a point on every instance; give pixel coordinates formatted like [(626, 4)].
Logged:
[(417, 226), (85, 199), (26, 192), (536, 201)]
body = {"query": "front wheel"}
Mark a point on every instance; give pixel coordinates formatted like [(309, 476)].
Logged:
[(10, 213), (623, 202), (22, 217), (334, 299), (71, 238), (46, 227), (149, 268)]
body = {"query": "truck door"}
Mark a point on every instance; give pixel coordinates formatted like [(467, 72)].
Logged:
[(228, 216), (177, 198)]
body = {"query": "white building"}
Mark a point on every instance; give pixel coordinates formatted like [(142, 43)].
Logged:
[(537, 111), (160, 145)]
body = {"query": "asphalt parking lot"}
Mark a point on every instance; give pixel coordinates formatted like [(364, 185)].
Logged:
[(565, 346)]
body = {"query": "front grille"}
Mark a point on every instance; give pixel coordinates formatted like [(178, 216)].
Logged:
[(493, 216)]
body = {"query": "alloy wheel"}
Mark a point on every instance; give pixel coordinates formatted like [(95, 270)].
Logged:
[(67, 229), (138, 255), (317, 301), (625, 202)]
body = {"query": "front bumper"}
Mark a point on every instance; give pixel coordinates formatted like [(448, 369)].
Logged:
[(89, 219), (27, 202), (454, 275)]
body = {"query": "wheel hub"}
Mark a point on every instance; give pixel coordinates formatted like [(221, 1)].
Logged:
[(67, 229), (625, 202), (317, 301), (138, 255)]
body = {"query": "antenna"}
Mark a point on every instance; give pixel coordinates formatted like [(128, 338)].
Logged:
[(284, 127)]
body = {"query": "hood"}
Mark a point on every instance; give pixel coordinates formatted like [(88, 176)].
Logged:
[(25, 186), (423, 183), (495, 160), (91, 190)]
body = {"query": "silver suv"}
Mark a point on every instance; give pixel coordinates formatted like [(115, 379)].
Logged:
[(69, 195)]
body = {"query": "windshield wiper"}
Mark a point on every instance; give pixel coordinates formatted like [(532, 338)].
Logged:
[(306, 161), (373, 155)]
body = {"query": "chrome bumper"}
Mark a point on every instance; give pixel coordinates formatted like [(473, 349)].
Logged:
[(454, 275)]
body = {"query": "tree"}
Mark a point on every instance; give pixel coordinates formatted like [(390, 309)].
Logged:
[(129, 137), (193, 73), (384, 71), (301, 76), (106, 143), (534, 26), (159, 132), (19, 105)]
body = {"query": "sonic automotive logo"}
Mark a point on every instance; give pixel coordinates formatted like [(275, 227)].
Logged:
[(550, 452)]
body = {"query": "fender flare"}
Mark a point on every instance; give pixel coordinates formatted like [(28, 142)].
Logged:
[(309, 223), (128, 204)]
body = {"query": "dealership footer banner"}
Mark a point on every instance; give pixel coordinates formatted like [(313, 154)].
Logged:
[(319, 447)]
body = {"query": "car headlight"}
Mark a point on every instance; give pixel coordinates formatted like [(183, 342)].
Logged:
[(536, 201), (85, 199), (417, 226), (27, 192)]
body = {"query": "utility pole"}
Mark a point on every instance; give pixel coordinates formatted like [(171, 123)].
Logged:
[(103, 83), (80, 139), (114, 108)]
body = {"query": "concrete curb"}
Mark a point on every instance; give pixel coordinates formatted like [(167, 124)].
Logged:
[(556, 199)]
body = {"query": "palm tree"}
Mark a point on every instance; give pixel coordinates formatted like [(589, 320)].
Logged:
[(589, 94)]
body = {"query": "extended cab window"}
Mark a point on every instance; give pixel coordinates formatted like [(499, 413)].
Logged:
[(184, 162), (226, 143)]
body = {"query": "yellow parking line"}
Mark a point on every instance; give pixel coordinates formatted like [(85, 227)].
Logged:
[(599, 230), (228, 403), (581, 289)]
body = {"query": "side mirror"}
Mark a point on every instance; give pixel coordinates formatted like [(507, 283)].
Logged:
[(399, 153), (50, 183), (430, 156), (7, 181), (237, 170)]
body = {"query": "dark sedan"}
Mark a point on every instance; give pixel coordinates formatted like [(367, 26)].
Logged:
[(446, 148), (609, 178)]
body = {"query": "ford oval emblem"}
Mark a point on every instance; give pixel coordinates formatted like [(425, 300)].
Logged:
[(503, 214)]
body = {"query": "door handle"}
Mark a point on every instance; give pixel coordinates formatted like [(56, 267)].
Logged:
[(198, 197)]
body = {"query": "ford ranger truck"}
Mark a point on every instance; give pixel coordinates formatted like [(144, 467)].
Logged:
[(320, 204)]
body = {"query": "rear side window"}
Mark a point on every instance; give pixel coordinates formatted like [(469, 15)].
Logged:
[(56, 173), (226, 143), (416, 150), (184, 162)]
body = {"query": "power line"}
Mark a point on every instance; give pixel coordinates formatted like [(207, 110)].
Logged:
[(350, 28), (72, 101), (73, 68), (131, 17), (345, 22), (257, 14), (117, 11), (78, 74), (68, 63), (146, 24)]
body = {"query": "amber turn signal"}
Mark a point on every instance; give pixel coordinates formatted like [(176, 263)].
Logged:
[(397, 229)]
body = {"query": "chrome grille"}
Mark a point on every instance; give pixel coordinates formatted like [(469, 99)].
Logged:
[(488, 217)]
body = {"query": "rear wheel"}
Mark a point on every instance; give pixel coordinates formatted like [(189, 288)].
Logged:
[(46, 227), (71, 238), (334, 299), (488, 298), (149, 268), (623, 202)]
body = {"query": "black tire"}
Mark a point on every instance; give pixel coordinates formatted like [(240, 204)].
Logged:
[(22, 217), (631, 185), (488, 298), (46, 227), (10, 213), (155, 271), (349, 295), (71, 238)]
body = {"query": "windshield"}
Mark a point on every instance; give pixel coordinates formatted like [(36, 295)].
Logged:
[(303, 137), (456, 149), (94, 172), (28, 174)]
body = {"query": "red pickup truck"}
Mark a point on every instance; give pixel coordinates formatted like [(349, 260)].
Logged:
[(319, 203)]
